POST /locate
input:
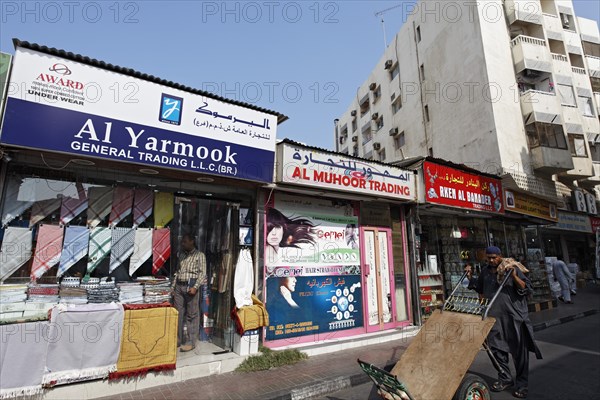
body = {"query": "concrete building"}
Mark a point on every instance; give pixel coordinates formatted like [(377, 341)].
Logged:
[(506, 87)]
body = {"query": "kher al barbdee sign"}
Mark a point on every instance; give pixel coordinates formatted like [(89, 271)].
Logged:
[(56, 104), (303, 166)]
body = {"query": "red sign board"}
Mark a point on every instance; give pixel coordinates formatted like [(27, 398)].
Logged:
[(595, 223), (453, 187)]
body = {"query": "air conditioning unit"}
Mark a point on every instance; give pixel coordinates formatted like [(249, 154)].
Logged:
[(375, 116), (388, 64), (377, 146), (372, 86), (353, 113), (565, 21), (342, 140), (355, 138), (394, 131)]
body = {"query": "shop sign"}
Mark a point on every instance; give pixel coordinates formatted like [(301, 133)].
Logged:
[(308, 167), (528, 205), (452, 187), (579, 199), (595, 223), (69, 107), (375, 214), (4, 68), (569, 221)]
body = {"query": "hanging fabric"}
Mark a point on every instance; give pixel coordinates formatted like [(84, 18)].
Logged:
[(73, 206), (100, 239), (121, 246), (163, 209), (142, 249), (13, 208), (15, 250), (47, 249), (75, 247), (41, 209), (99, 205), (243, 281), (142, 205), (122, 204), (161, 248)]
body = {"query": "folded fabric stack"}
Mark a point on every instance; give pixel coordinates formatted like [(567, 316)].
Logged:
[(131, 292), (157, 291), (12, 301), (90, 283), (73, 295), (70, 281), (43, 293), (15, 293), (106, 292)]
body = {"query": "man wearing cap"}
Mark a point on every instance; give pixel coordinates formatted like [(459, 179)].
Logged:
[(513, 332)]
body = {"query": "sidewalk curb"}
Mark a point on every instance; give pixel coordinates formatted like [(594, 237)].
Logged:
[(343, 382)]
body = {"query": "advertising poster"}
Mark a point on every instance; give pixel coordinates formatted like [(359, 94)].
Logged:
[(312, 265), (310, 232), (305, 305)]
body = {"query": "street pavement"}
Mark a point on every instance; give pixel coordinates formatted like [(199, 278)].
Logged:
[(567, 335)]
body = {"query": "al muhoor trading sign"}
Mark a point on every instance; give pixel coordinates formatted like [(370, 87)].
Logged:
[(309, 167), (64, 106)]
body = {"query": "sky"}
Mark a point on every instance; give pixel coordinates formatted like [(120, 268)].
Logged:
[(304, 59)]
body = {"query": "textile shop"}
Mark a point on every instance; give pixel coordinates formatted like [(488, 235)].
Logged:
[(460, 212), (335, 249), (96, 195)]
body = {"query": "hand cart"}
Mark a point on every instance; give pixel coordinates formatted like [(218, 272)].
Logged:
[(435, 364)]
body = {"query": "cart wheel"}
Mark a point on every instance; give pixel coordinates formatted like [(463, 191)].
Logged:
[(472, 387)]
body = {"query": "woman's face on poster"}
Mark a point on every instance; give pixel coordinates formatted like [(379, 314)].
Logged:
[(290, 283), (275, 235)]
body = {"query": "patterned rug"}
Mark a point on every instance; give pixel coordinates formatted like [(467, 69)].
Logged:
[(149, 340)]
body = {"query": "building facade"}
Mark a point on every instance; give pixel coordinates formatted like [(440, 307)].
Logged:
[(509, 88)]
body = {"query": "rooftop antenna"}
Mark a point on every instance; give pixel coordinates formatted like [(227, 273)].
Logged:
[(380, 14)]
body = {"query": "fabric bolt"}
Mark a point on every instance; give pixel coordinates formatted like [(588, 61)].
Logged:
[(75, 247), (122, 204), (13, 208), (47, 250), (90, 350), (15, 250), (99, 205), (142, 249), (71, 207), (163, 209), (143, 202), (41, 209), (161, 248), (149, 340), (100, 239), (243, 280), (22, 359), (122, 246)]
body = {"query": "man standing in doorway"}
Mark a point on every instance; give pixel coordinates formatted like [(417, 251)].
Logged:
[(513, 332), (190, 275)]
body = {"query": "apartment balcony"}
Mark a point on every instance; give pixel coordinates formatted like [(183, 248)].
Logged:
[(590, 182), (530, 53), (552, 26), (540, 106), (582, 169), (561, 64), (523, 12), (593, 64), (551, 160), (578, 71)]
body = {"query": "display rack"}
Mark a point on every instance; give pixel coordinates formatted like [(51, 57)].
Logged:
[(538, 276)]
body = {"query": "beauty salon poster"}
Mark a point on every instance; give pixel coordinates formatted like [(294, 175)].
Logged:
[(303, 231)]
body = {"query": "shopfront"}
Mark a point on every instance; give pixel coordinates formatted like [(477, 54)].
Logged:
[(571, 240), (98, 192), (334, 246), (460, 213)]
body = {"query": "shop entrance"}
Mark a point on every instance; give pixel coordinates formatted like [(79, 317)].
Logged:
[(214, 224), (378, 278)]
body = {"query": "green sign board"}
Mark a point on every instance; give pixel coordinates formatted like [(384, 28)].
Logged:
[(4, 68)]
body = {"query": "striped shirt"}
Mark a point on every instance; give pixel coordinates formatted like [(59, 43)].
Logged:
[(192, 265)]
